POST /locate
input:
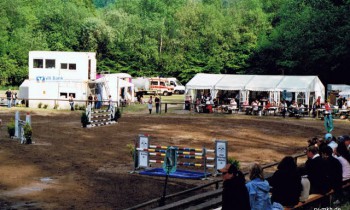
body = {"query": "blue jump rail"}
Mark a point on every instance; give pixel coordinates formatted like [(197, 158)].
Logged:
[(182, 174)]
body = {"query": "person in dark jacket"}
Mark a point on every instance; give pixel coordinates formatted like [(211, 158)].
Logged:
[(286, 183), (317, 172), (334, 170), (234, 194)]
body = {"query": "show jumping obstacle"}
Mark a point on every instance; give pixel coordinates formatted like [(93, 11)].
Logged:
[(100, 117), (19, 126), (198, 156)]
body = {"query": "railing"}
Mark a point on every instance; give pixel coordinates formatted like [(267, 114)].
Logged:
[(199, 197)]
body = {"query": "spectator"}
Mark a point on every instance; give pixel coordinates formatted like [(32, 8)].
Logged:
[(343, 156), (90, 98), (71, 102), (95, 102), (234, 194), (109, 103), (286, 183), (284, 108), (9, 97), (149, 105), (305, 183), (157, 102), (258, 189), (315, 106), (316, 172), (333, 169)]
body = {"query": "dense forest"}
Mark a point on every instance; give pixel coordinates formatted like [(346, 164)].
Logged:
[(180, 38)]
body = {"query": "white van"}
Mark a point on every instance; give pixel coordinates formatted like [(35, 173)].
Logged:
[(178, 87)]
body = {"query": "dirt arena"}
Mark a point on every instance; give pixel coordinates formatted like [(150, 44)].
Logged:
[(69, 167)]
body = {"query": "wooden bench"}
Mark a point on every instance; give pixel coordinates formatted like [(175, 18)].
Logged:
[(317, 197)]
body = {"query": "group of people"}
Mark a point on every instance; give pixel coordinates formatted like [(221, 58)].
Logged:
[(150, 104), (95, 101), (11, 97), (327, 167)]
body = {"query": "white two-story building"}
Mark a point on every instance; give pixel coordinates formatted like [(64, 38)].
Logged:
[(53, 76)]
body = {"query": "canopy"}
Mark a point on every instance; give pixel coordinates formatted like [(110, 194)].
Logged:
[(246, 83), (345, 92)]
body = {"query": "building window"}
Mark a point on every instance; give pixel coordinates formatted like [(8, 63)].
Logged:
[(50, 63), (72, 66), (64, 66), (38, 63), (73, 94), (63, 95)]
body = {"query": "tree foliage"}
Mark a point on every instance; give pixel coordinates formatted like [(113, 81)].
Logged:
[(180, 38)]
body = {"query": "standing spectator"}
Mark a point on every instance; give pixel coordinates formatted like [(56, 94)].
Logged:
[(14, 98), (286, 183), (316, 171), (9, 97), (95, 101), (315, 106), (234, 194), (157, 102), (71, 102), (258, 189), (109, 102), (149, 105), (90, 98)]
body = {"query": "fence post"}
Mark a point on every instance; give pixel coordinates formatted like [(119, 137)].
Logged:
[(166, 108)]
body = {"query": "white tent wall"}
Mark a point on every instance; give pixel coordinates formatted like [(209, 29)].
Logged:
[(274, 84)]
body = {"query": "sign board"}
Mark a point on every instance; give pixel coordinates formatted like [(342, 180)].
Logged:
[(221, 154), (143, 155), (170, 160)]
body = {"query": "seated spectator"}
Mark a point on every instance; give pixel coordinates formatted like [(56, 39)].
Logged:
[(343, 156), (305, 183), (286, 183), (258, 189), (333, 169), (316, 171), (234, 194), (315, 106)]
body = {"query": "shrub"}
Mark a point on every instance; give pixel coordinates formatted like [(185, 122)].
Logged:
[(11, 128), (117, 114), (84, 119), (233, 161), (131, 148), (28, 133), (45, 106), (82, 107), (76, 106), (40, 105), (56, 106)]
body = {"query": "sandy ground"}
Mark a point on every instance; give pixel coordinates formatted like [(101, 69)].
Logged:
[(69, 167)]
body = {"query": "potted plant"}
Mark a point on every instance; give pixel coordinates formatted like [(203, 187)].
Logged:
[(28, 133), (84, 119), (11, 128)]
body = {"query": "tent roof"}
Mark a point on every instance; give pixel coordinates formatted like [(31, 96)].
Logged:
[(256, 82), (233, 82), (263, 83), (204, 81)]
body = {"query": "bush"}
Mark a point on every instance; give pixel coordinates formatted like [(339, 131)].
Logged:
[(233, 161), (40, 105), (56, 106), (84, 119), (131, 148), (117, 115), (76, 107), (45, 106), (82, 107), (11, 128), (28, 133)]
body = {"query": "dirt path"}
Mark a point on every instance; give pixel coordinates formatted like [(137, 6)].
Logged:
[(69, 167)]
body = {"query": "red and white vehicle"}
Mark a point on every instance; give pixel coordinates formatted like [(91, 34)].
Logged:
[(153, 85)]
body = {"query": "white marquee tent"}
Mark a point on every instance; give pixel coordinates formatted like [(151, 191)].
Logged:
[(274, 84)]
